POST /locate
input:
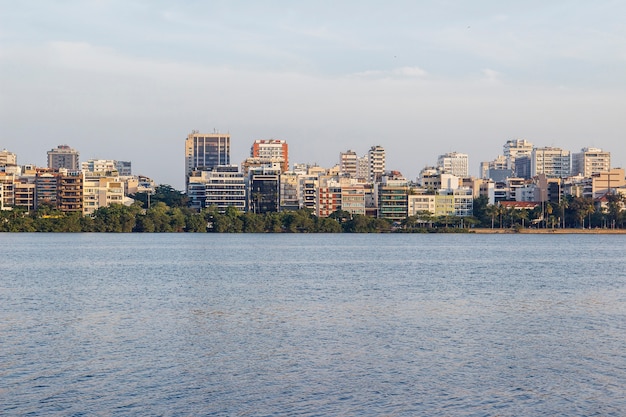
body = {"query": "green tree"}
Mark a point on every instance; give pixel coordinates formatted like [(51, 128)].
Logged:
[(582, 207), (327, 225), (253, 223)]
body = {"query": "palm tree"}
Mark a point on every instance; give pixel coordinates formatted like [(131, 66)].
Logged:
[(563, 204), (492, 211), (523, 216)]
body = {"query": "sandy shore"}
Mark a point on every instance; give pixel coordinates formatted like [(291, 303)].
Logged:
[(552, 231)]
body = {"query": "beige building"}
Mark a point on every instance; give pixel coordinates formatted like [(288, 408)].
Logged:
[(101, 191), (7, 158), (607, 182)]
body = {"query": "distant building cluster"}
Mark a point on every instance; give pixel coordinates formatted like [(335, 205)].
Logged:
[(362, 184), (66, 183), (358, 184)]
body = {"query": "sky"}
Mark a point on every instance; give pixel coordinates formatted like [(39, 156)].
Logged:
[(129, 79)]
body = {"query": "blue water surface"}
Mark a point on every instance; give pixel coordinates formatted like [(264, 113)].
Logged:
[(312, 325)]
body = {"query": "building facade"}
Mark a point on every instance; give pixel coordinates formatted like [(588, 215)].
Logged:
[(590, 161), (376, 163), (454, 163), (7, 158), (514, 149), (348, 163), (205, 151), (271, 150), (553, 162), (63, 157)]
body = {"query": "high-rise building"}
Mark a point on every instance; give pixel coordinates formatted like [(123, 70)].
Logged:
[(348, 163), (271, 150), (590, 161), (516, 148), (70, 191), (454, 163), (264, 190), (376, 160), (7, 158), (63, 157), (205, 151), (553, 162)]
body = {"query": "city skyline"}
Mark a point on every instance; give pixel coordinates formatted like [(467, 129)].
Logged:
[(127, 81)]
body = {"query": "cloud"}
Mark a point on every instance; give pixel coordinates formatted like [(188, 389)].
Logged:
[(491, 75), (402, 72)]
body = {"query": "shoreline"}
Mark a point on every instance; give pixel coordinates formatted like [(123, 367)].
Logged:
[(549, 231)]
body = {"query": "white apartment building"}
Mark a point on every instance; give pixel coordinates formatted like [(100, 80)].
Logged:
[(454, 163), (362, 167), (553, 162), (591, 161), (458, 202), (98, 165), (223, 186), (514, 149), (376, 162)]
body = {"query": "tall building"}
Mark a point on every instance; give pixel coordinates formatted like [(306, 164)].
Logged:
[(590, 161), (454, 163), (376, 161), (271, 150), (224, 187), (514, 149), (70, 191), (46, 185), (393, 199), (554, 162), (348, 162), (7, 158), (63, 157), (263, 190), (205, 151)]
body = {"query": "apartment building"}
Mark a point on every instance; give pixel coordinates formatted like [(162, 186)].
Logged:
[(65, 157), (376, 163), (554, 162), (101, 191), (271, 150), (590, 161), (514, 149), (454, 163)]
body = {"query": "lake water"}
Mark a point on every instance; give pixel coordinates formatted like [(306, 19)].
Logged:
[(312, 325)]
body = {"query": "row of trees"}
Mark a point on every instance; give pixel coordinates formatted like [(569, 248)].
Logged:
[(570, 212), (166, 211), (160, 217)]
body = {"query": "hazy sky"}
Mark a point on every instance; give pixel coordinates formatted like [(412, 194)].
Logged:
[(130, 79)]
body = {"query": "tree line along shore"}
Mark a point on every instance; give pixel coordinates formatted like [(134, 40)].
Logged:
[(167, 212)]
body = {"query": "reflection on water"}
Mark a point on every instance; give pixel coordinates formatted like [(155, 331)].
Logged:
[(312, 325)]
